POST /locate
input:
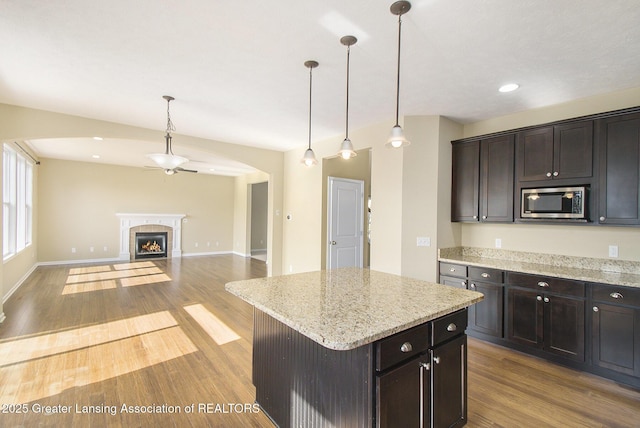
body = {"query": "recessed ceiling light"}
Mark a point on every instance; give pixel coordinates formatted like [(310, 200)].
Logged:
[(98, 138), (96, 156), (509, 87)]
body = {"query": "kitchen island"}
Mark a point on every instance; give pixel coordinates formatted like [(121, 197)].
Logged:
[(355, 347)]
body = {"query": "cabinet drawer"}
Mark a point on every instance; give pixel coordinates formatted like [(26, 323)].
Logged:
[(448, 327), (486, 274), (401, 346), (546, 284), (616, 295), (450, 269)]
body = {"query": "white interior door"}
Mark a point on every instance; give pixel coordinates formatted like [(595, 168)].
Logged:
[(345, 216)]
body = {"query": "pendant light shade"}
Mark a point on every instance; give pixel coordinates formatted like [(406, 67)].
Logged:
[(346, 148), (309, 158), (168, 160), (397, 138)]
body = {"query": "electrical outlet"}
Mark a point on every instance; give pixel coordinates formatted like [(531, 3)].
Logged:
[(613, 251), (498, 243)]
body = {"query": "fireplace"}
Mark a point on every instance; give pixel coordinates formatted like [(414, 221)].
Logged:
[(133, 223), (150, 245)]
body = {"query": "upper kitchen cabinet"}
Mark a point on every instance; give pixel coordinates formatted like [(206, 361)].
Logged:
[(482, 180), (563, 151), (465, 181), (619, 160)]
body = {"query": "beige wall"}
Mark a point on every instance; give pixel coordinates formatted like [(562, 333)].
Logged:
[(581, 241), (78, 202)]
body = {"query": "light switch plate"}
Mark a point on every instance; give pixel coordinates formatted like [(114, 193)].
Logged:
[(423, 241), (613, 251)]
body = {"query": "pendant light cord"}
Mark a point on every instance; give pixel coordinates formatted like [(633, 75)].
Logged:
[(398, 77), (310, 86), (170, 128), (346, 132)]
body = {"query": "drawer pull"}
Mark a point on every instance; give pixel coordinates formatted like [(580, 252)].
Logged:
[(485, 275), (539, 298), (472, 286), (543, 284), (616, 295), (596, 309), (406, 347), (452, 269), (452, 327)]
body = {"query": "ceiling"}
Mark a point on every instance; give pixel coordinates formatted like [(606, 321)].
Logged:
[(236, 68)]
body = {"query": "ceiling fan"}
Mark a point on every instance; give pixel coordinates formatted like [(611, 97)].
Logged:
[(167, 161)]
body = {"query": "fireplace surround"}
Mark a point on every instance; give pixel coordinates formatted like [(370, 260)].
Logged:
[(130, 223)]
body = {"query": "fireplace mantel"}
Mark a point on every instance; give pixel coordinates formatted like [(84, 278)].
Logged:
[(129, 220)]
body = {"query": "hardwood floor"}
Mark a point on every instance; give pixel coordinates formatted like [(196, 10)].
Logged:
[(96, 341)]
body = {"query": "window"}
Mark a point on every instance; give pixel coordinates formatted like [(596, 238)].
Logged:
[(17, 202)]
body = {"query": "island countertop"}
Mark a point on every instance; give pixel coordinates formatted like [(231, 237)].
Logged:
[(346, 308)]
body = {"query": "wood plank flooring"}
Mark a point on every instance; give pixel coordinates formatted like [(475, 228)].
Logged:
[(97, 341)]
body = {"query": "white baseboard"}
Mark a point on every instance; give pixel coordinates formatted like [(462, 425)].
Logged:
[(16, 286)]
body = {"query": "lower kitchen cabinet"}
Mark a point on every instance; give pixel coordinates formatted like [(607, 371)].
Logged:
[(486, 316), (428, 389), (547, 313), (615, 322)]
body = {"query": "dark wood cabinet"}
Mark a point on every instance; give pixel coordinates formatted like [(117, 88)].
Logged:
[(465, 181), (427, 390), (496, 179), (615, 323), (487, 316), (482, 180), (556, 152), (619, 159), (547, 313)]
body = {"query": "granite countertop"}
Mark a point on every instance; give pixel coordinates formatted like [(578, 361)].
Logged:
[(604, 271), (346, 308)]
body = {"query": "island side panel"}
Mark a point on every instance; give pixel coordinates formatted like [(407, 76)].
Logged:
[(301, 383)]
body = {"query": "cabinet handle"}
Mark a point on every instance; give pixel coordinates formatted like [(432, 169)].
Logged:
[(464, 283), (472, 286), (616, 295), (426, 366), (539, 298), (484, 217), (452, 327), (436, 360), (543, 284), (596, 309), (555, 173), (602, 218), (475, 217), (485, 275), (406, 347), (546, 300), (548, 174), (452, 269)]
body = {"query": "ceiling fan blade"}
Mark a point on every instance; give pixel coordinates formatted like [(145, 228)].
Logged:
[(180, 169)]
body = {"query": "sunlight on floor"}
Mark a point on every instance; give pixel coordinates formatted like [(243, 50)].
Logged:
[(96, 278), (38, 367), (211, 324)]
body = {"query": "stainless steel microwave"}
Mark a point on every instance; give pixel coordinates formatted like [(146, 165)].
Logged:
[(554, 202)]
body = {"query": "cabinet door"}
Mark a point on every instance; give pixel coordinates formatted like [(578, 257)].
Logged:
[(496, 179), (564, 326), (449, 384), (619, 190), (453, 282), (465, 179), (616, 338), (525, 316), (573, 150), (401, 394), (486, 316), (534, 154)]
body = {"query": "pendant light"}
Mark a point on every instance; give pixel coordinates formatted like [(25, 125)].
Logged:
[(346, 149), (309, 158), (397, 138), (168, 160)]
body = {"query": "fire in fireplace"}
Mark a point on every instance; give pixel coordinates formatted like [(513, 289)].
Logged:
[(151, 245)]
